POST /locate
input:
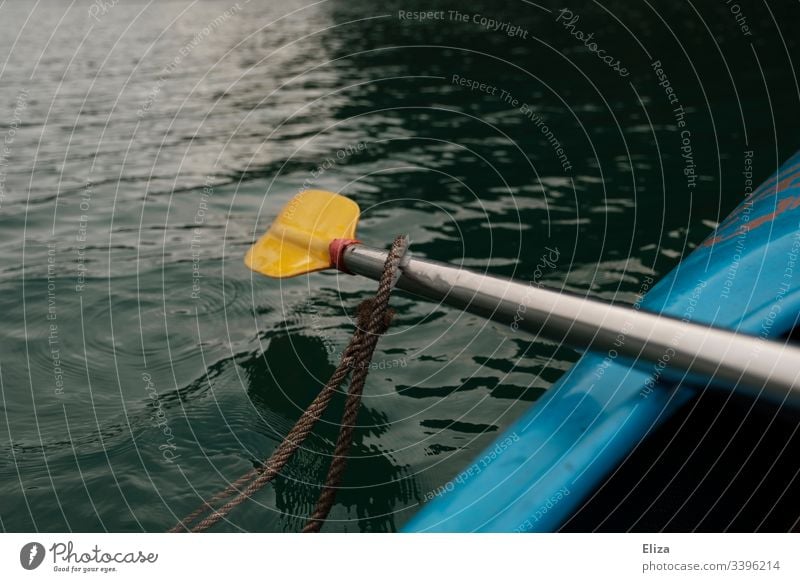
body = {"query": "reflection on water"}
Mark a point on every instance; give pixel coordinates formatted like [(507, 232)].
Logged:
[(152, 142)]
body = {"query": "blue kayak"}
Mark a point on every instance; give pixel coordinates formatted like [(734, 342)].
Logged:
[(545, 466)]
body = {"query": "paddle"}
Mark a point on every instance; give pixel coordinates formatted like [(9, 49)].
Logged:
[(315, 231)]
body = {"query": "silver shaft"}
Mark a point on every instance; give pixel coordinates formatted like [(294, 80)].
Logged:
[(669, 348)]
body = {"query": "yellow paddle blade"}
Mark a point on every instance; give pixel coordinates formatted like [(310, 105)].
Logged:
[(297, 241)]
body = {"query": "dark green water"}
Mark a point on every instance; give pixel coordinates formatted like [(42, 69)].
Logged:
[(146, 145)]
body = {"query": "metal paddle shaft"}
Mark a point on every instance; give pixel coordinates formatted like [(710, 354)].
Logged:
[(677, 351)]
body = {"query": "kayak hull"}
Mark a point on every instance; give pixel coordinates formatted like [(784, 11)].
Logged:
[(745, 277)]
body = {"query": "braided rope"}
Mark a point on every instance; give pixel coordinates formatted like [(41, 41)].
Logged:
[(282, 454), (379, 321), (374, 317)]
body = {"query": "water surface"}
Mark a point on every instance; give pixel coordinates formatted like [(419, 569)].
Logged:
[(149, 143)]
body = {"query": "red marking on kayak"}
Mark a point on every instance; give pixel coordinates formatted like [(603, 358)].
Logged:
[(783, 179), (783, 206), (765, 190)]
